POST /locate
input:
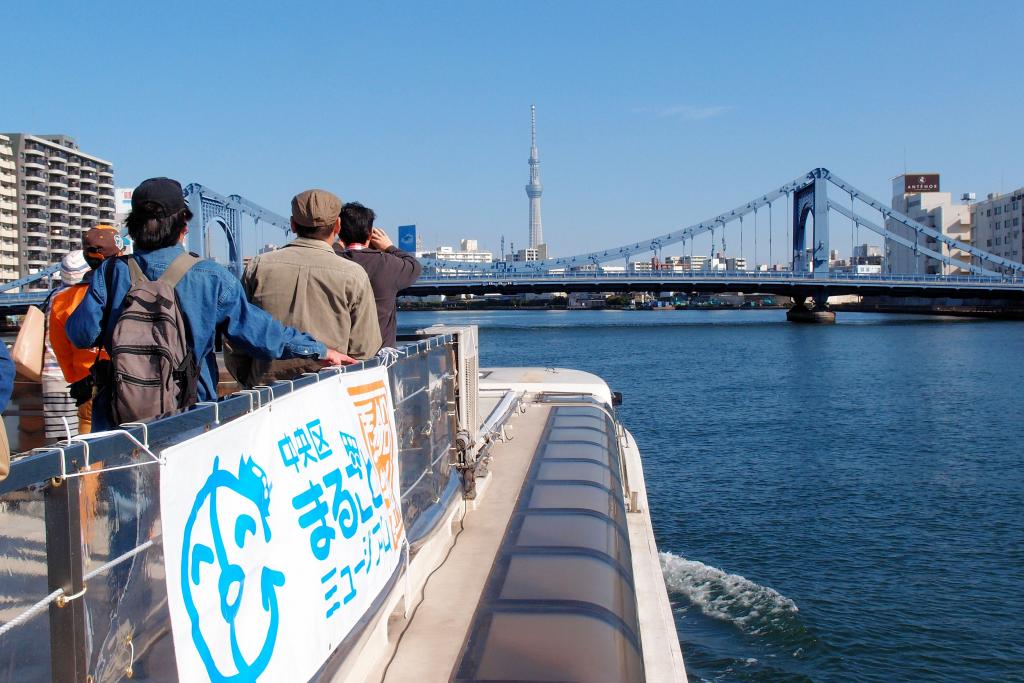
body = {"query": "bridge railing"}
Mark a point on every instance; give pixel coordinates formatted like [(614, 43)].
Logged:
[(661, 275), (81, 555)]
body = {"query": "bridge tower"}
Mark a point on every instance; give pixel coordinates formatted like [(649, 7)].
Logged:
[(810, 225), (810, 248), (534, 189)]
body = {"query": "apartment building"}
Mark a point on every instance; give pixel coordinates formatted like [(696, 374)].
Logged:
[(61, 193), (8, 213), (918, 196), (997, 225)]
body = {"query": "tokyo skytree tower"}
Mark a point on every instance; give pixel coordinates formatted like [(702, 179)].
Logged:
[(534, 189)]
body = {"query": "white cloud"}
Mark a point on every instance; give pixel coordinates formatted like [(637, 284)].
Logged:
[(686, 112)]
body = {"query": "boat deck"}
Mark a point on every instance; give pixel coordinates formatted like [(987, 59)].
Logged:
[(534, 572)]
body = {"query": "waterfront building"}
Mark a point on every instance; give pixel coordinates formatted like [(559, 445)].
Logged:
[(722, 263), (867, 253), (122, 205), (538, 253), (468, 253), (9, 249), (61, 193), (918, 196), (996, 224), (678, 264)]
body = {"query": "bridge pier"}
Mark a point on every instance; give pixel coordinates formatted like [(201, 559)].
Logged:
[(807, 310)]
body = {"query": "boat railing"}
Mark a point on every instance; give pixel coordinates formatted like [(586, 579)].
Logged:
[(83, 594)]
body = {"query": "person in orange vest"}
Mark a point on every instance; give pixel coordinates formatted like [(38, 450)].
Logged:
[(99, 243)]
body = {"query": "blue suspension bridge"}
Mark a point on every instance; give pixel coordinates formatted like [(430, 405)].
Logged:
[(943, 267)]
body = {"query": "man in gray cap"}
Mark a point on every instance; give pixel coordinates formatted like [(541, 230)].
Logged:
[(305, 285)]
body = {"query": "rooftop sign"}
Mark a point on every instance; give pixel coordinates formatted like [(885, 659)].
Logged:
[(924, 182)]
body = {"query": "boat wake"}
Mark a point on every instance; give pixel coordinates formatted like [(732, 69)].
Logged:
[(753, 608)]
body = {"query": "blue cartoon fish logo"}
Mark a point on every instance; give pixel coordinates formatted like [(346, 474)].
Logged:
[(230, 596)]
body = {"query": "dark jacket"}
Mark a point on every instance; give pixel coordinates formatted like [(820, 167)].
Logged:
[(390, 271)]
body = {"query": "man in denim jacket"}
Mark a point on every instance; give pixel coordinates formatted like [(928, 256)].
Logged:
[(212, 299)]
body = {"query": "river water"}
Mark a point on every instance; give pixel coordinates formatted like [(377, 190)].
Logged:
[(833, 503)]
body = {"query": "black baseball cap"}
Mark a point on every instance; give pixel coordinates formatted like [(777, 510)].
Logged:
[(158, 197)]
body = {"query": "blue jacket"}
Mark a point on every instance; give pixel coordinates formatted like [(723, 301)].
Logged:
[(211, 299), (6, 377)]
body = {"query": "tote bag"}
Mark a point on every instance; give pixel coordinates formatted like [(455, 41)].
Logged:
[(27, 352)]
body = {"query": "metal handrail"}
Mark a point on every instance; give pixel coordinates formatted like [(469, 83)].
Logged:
[(41, 465)]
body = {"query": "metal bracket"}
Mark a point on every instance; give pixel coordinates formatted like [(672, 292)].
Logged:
[(216, 409)]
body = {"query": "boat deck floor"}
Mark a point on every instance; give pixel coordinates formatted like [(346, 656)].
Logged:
[(432, 641)]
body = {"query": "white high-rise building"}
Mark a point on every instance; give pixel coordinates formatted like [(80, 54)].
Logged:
[(9, 260), (917, 195), (62, 192), (996, 224)]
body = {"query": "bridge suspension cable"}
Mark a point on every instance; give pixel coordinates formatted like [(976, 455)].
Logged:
[(755, 239)]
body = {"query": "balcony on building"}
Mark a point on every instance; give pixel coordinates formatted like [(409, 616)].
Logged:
[(34, 175), (57, 168), (31, 150)]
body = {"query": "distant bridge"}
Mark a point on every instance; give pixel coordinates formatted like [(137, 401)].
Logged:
[(964, 271), (750, 282)]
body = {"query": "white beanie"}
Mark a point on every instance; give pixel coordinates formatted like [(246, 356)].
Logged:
[(73, 268)]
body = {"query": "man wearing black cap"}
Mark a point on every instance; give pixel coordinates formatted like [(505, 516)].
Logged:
[(211, 298)]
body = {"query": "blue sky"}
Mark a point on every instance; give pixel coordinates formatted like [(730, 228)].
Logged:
[(651, 116)]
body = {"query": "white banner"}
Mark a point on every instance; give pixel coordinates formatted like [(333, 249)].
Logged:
[(279, 529)]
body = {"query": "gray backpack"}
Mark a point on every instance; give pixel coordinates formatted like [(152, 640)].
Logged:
[(153, 366)]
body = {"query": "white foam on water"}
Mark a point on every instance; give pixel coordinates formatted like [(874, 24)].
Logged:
[(752, 607)]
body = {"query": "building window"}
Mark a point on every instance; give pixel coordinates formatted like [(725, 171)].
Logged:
[(1016, 221), (999, 210)]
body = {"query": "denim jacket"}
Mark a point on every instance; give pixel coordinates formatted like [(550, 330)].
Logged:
[(212, 300)]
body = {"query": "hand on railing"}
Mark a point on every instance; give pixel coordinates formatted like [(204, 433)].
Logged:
[(336, 358)]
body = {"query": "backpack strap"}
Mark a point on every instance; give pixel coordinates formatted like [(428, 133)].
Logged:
[(135, 271), (181, 264)]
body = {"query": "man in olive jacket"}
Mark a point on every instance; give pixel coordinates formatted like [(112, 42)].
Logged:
[(304, 284)]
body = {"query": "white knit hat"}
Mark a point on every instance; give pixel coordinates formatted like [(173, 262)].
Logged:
[(73, 268)]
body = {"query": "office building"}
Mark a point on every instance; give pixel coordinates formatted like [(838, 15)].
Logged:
[(61, 193), (468, 253), (538, 253), (679, 264), (918, 196), (996, 225), (9, 248)]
